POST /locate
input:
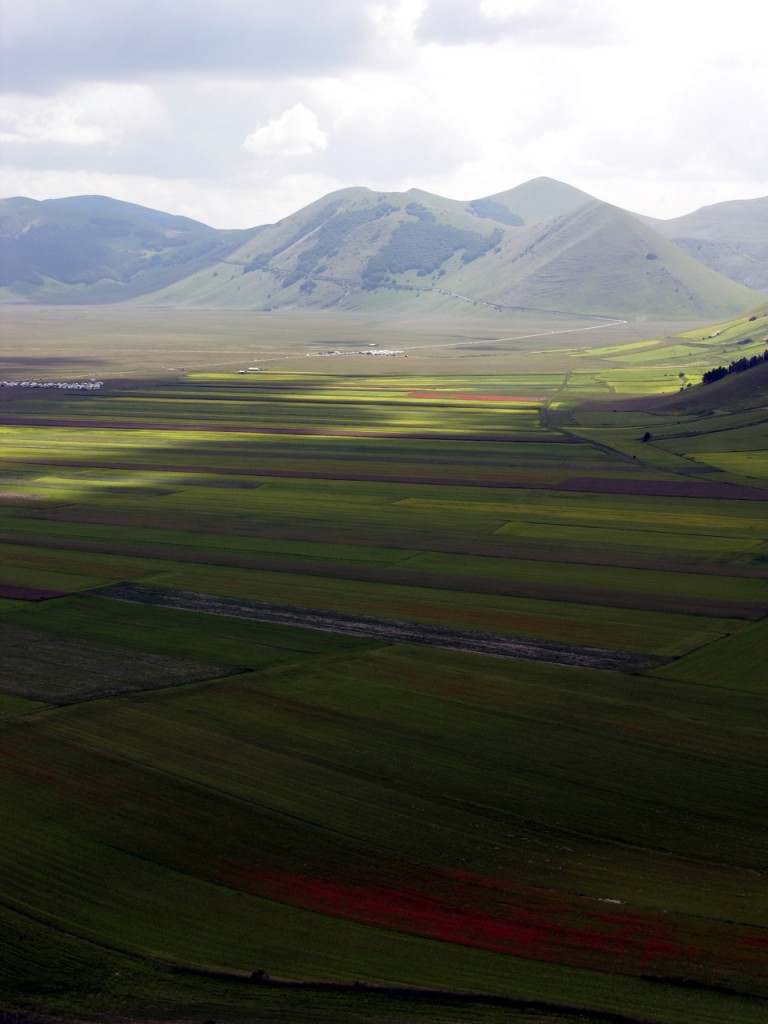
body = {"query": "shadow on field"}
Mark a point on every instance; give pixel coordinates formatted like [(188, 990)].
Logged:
[(437, 996)]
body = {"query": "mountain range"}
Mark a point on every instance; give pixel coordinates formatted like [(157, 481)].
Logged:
[(543, 245)]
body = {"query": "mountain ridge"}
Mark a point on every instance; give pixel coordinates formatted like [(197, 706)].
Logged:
[(94, 248), (730, 237), (541, 244)]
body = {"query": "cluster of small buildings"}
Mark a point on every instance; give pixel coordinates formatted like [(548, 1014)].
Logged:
[(86, 385), (381, 352), (364, 352)]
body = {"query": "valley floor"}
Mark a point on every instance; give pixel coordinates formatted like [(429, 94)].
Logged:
[(201, 794)]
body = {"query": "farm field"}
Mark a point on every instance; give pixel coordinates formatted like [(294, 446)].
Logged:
[(159, 343), (243, 728)]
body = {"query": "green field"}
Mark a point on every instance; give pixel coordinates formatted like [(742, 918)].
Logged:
[(392, 831)]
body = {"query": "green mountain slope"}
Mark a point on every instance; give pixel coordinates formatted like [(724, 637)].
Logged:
[(358, 249), (600, 259), (543, 245), (96, 249), (539, 199), (731, 238), (344, 247)]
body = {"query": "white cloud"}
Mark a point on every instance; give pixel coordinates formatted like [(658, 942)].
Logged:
[(234, 111), (56, 124), (547, 22), (383, 131), (47, 43), (82, 116), (295, 133)]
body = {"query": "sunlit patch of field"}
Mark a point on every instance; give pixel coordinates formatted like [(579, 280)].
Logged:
[(734, 435), (753, 464), (628, 512), (675, 359), (644, 382)]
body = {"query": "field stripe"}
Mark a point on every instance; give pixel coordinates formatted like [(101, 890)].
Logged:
[(391, 630)]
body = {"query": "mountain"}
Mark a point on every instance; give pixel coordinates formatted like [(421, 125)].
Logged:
[(96, 249), (358, 249), (601, 259), (542, 245), (730, 237), (537, 200), (353, 248)]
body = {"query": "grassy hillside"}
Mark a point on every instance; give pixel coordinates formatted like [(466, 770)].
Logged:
[(553, 266), (348, 243), (366, 251), (96, 249), (731, 238), (738, 391), (540, 199), (543, 245)]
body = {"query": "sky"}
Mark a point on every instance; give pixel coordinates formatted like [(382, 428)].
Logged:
[(240, 112)]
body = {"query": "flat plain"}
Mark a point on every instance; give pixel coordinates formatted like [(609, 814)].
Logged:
[(381, 830)]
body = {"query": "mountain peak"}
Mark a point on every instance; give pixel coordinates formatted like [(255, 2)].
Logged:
[(543, 245), (541, 199)]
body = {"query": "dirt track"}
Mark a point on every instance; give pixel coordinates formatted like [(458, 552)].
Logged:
[(392, 631)]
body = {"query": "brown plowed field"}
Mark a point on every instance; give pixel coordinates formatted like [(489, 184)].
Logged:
[(663, 488)]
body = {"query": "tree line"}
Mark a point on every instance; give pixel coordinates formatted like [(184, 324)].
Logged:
[(737, 366)]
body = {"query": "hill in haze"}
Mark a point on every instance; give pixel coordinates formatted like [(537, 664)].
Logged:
[(96, 249), (543, 245), (358, 249), (731, 238), (537, 200)]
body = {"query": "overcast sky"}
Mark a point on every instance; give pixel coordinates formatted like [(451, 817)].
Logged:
[(239, 112)]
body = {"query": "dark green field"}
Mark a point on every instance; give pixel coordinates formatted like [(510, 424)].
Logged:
[(190, 796)]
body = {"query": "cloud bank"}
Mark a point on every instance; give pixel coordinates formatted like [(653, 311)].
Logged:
[(237, 113)]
